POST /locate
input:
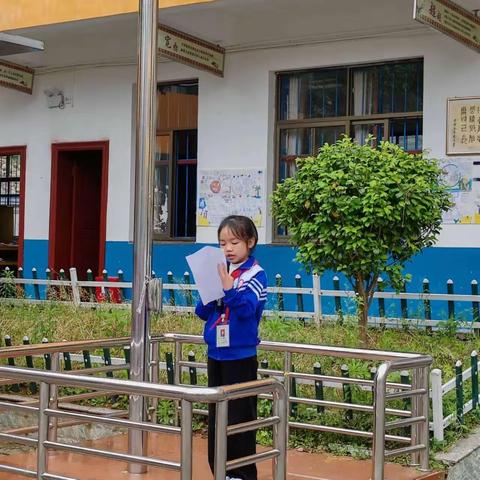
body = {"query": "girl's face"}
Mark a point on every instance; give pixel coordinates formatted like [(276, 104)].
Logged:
[(236, 250)]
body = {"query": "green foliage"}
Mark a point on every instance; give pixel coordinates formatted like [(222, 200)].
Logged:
[(362, 211), (7, 287)]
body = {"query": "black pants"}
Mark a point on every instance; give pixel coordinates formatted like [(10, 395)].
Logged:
[(228, 372)]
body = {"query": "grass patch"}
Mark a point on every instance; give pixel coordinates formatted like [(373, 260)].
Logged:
[(59, 322)]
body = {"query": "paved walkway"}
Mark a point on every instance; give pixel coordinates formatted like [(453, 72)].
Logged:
[(301, 465)]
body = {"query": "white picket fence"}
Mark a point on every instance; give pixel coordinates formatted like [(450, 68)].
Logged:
[(438, 390), (316, 292)]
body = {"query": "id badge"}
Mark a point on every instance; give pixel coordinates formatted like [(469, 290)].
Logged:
[(223, 335)]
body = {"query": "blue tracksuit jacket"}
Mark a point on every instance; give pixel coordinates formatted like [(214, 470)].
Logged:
[(243, 306)]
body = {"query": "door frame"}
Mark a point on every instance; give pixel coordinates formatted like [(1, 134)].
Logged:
[(57, 148), (22, 151)]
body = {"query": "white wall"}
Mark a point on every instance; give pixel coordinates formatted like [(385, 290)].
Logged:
[(236, 116)]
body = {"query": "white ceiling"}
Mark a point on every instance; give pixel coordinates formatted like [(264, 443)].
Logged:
[(235, 24)]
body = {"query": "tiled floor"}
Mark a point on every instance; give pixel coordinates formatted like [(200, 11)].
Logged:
[(301, 465)]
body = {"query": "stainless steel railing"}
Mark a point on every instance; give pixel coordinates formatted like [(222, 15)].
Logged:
[(187, 395), (383, 390)]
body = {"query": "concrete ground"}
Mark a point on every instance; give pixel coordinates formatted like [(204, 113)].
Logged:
[(301, 465)]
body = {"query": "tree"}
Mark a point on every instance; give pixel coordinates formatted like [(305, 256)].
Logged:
[(362, 211)]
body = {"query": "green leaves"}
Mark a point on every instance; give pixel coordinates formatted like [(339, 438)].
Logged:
[(362, 211)]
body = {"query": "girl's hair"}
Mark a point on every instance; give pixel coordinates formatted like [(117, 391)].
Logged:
[(242, 227)]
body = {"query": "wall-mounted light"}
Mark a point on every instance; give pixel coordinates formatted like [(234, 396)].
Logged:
[(55, 98)]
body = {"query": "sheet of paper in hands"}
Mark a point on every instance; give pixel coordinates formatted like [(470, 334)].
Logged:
[(203, 265)]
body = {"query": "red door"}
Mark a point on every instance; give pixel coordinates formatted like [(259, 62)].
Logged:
[(78, 207)]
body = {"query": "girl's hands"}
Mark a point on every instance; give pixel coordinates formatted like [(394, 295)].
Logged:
[(227, 280)]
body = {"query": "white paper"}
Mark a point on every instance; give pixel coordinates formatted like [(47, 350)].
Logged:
[(204, 266)]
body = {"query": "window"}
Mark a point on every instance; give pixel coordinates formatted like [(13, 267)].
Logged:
[(318, 106), (176, 161), (10, 186)]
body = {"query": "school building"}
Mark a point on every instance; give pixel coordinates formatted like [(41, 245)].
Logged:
[(296, 74)]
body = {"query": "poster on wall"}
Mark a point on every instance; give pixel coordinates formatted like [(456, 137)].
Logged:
[(460, 175), (230, 192), (463, 126)]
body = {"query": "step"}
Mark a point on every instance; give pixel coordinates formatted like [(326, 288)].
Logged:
[(301, 465)]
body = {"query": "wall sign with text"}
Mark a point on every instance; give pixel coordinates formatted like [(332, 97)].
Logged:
[(191, 50), (451, 19), (463, 126), (16, 76)]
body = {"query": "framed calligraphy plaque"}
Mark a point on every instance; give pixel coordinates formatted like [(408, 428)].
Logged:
[(463, 126)]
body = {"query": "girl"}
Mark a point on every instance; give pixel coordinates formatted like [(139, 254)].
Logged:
[(231, 333)]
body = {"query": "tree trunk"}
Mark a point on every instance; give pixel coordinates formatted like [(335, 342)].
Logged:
[(362, 307), (363, 320)]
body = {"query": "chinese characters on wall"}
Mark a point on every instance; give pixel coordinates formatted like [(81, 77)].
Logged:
[(463, 126)]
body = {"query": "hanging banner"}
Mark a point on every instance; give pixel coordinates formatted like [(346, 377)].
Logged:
[(16, 77), (191, 50), (451, 19)]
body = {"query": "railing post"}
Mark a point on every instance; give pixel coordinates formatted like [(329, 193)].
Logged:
[(437, 404), (192, 370), (11, 362), (298, 284), (317, 301), (62, 291), (280, 301), (106, 297), (75, 289), (48, 288), (451, 303), (293, 393), (186, 441), (317, 370), (154, 376), (91, 290), (475, 306), (426, 304), (42, 453), (474, 365), (171, 292), (347, 391), (29, 362), (53, 429), (459, 390), (188, 293), (415, 409), (378, 448), (280, 438), (373, 372), (36, 288), (403, 302), (287, 368), (47, 357), (126, 354), (338, 300), (177, 375), (107, 360), (120, 290), (20, 286), (423, 430), (381, 301), (221, 440), (169, 363)]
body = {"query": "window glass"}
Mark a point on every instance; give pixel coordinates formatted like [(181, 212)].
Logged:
[(407, 132), (318, 94), (389, 88), (176, 160)]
